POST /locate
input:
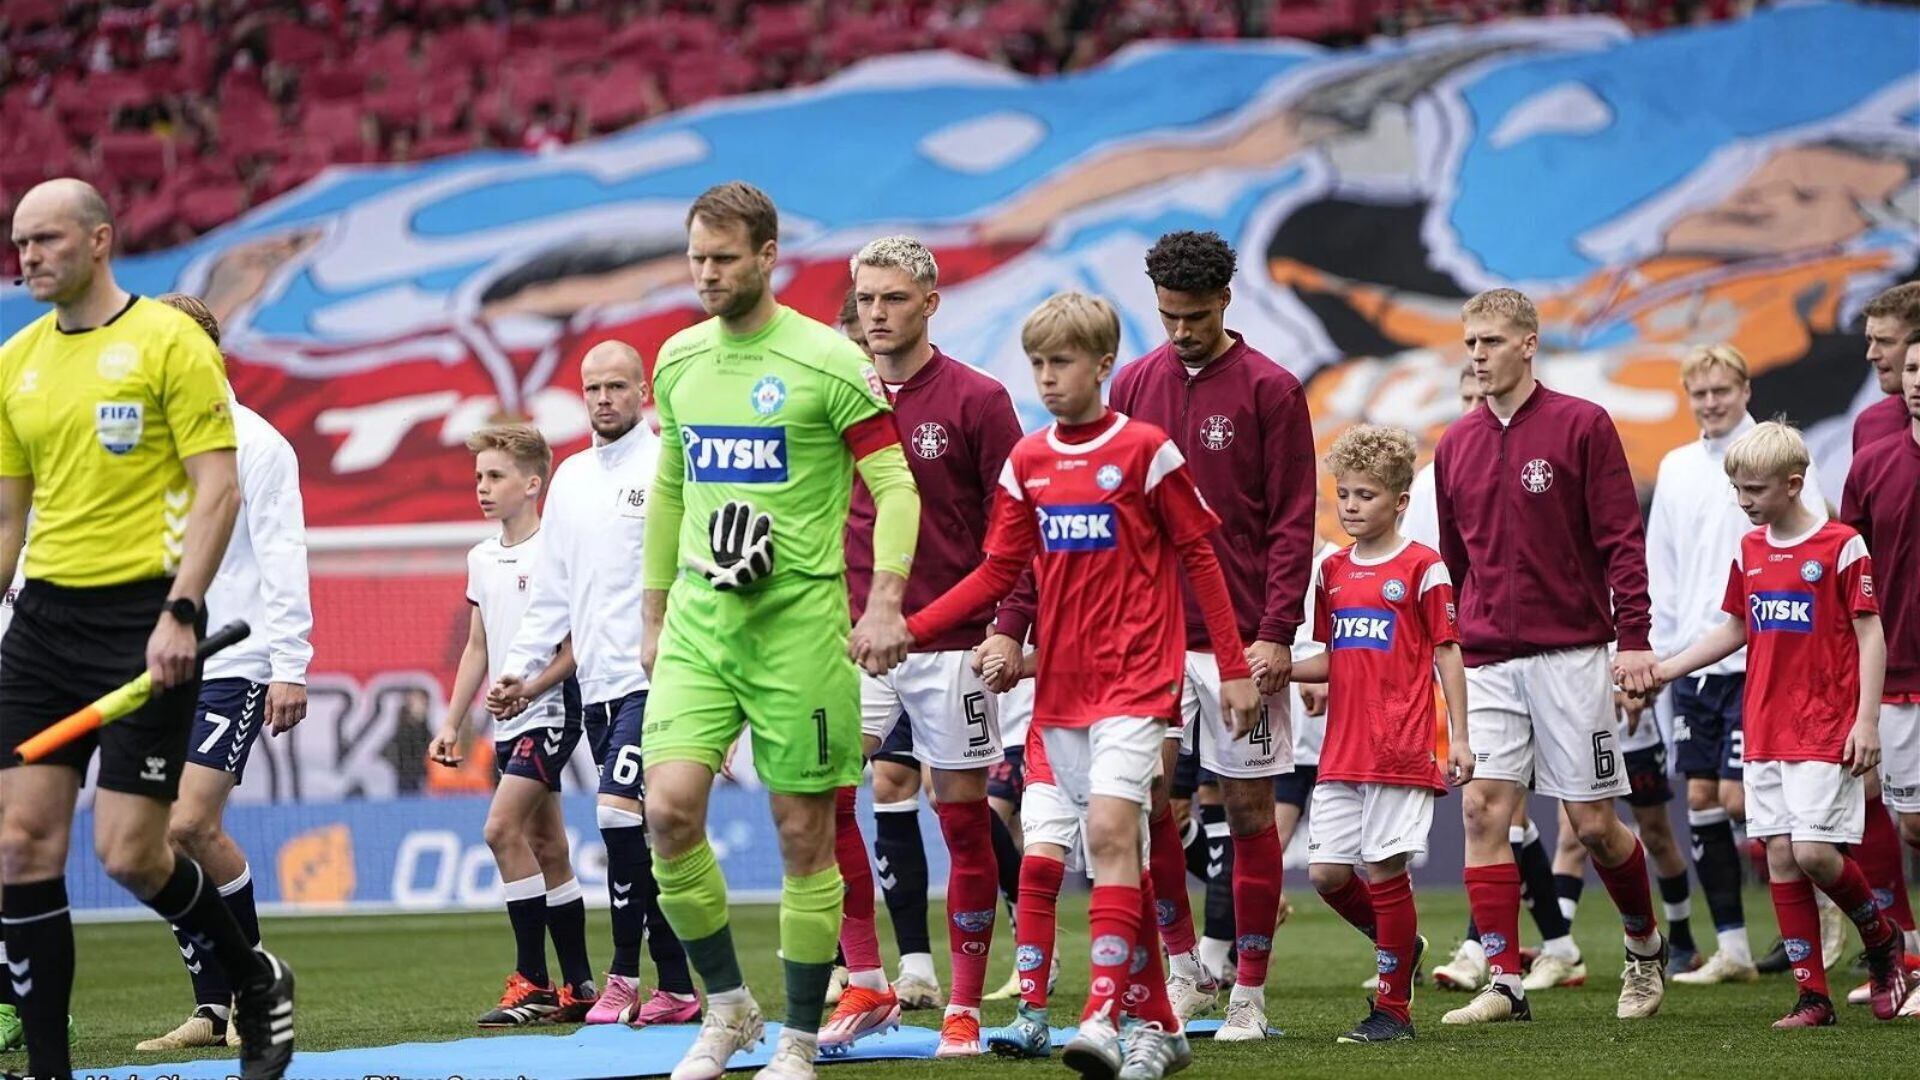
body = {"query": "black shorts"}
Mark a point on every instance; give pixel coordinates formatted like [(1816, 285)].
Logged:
[(540, 754), (68, 646), (1296, 787), (613, 735), (897, 747), (226, 722), (1647, 776), (1708, 738), (1007, 780)]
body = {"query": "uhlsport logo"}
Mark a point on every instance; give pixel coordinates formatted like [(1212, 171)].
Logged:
[(1536, 475), (1216, 432), (1811, 571), (1364, 628), (929, 440), (1791, 612), (1076, 528), (769, 394), (719, 454)]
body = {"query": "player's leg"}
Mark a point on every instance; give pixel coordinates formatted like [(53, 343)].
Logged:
[(1900, 791), (36, 817), (1826, 804), (517, 800), (1246, 768), (1551, 886), (1193, 991), (1650, 793), (900, 857), (957, 732), (566, 908), (1051, 825), (1570, 695), (694, 718), (866, 1005), (1333, 854), (1502, 737), (1706, 713)]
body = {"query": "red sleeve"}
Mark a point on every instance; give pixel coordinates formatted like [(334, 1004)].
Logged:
[(876, 432), (1734, 603), (1613, 522), (1322, 607), (1856, 584), (1210, 588), (1009, 549), (1289, 479), (1182, 512), (1437, 612)]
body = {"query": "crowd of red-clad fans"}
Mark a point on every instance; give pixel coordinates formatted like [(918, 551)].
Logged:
[(186, 112)]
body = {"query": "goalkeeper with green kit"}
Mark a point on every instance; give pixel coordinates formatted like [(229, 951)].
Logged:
[(764, 416)]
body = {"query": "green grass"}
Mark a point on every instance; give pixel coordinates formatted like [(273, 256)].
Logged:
[(380, 980)]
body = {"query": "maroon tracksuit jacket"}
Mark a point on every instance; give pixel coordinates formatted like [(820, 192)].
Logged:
[(1241, 422), (1882, 501), (1885, 417), (1540, 529)]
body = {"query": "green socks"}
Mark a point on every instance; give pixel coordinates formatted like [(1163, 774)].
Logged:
[(693, 897), (809, 935)]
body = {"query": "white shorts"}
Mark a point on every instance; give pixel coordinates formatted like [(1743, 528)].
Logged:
[(1810, 801), (1355, 823), (1900, 758), (1265, 751), (1548, 719), (956, 723), (1117, 757)]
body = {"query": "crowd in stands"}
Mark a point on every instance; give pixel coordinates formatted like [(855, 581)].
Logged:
[(186, 112)]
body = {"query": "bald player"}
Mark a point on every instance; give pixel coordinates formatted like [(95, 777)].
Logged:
[(587, 585), (116, 428)]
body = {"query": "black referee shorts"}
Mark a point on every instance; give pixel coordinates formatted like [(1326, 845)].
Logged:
[(66, 647)]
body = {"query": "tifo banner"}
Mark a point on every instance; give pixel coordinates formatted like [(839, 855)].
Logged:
[(422, 854), (1753, 182)]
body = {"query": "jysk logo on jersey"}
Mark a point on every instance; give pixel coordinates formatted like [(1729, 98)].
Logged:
[(1364, 628), (1077, 528), (735, 455), (1788, 611)]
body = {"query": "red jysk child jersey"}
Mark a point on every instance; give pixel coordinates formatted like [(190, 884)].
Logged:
[(1102, 521), (1381, 621), (1799, 597)]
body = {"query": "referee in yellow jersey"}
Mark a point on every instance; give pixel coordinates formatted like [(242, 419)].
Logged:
[(115, 431)]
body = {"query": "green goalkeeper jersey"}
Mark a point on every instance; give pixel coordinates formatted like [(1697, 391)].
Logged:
[(777, 419)]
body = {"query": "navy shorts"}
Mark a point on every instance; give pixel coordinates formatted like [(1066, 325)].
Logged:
[(226, 723), (1647, 776), (541, 754), (897, 747), (1008, 778), (1296, 787), (613, 735), (1190, 776), (1707, 736)]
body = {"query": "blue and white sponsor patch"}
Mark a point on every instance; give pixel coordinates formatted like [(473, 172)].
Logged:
[(1394, 590), (1253, 943), (1798, 949), (769, 394), (1029, 958), (719, 454), (1364, 628), (1163, 911), (1109, 950), (973, 922), (1781, 610), (1139, 962), (1811, 570), (1494, 944), (1385, 961), (1077, 528), (1108, 477)]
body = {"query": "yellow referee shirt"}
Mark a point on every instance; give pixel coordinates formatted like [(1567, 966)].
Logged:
[(100, 419)]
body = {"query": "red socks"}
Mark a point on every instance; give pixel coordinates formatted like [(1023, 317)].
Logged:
[(1632, 893), (1034, 918), (1799, 916), (859, 936), (1354, 903), (973, 892), (1493, 895), (1398, 929), (1113, 921), (1854, 897), (1256, 902), (1173, 911), (1146, 995), (1878, 854)]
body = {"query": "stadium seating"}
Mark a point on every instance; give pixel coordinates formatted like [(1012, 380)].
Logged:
[(254, 96)]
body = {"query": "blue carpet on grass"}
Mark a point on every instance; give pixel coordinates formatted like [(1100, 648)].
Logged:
[(591, 1053)]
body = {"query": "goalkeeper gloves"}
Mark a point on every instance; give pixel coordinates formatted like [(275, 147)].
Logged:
[(742, 542)]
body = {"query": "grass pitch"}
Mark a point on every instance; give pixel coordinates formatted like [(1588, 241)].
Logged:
[(374, 981)]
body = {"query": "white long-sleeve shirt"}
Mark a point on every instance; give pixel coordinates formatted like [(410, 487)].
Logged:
[(1693, 536), (588, 580), (1421, 521), (263, 577)]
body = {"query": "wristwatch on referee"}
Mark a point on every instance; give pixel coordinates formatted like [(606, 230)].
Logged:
[(184, 611)]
